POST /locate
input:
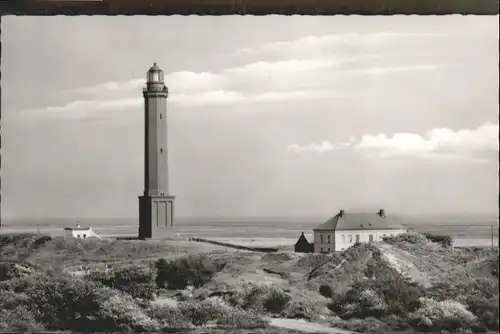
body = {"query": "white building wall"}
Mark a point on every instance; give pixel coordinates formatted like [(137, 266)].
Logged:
[(83, 234), (346, 239), (324, 241)]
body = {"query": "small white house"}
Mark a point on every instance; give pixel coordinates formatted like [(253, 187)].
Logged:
[(79, 232), (345, 229)]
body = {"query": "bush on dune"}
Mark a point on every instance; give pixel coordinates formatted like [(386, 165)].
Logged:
[(189, 270), (443, 240), (480, 295), (275, 301), (201, 313), (57, 302), (465, 303), (69, 303), (238, 318), (300, 310), (133, 280), (169, 317), (119, 311), (18, 320), (326, 291), (261, 298), (410, 237), (439, 315), (385, 293)]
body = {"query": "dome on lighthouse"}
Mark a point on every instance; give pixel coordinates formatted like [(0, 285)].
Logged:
[(154, 68), (155, 74)]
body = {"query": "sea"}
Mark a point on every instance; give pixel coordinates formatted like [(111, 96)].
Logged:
[(479, 231)]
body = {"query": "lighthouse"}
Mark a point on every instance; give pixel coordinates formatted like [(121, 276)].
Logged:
[(156, 205)]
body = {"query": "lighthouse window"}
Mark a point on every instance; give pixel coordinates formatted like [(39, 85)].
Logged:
[(161, 116), (161, 150)]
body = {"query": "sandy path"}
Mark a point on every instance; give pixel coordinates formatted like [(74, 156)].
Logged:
[(306, 327)]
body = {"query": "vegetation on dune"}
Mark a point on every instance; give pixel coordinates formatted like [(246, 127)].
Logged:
[(368, 288), (136, 281), (56, 252), (188, 270), (466, 302)]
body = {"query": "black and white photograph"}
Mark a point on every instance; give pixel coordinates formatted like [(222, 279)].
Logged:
[(250, 174)]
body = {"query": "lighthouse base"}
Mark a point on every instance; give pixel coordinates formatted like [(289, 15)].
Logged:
[(156, 217)]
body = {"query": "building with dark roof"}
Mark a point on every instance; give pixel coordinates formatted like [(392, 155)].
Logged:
[(346, 228), (303, 245)]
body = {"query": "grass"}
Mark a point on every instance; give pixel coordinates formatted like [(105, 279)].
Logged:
[(407, 283)]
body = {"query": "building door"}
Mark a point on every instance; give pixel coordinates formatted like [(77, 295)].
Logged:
[(357, 237), (370, 237)]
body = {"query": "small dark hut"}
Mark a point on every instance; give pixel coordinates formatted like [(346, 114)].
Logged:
[(303, 246)]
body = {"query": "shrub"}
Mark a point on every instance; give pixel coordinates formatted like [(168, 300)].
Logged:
[(439, 315), (359, 303), (444, 240), (18, 320), (387, 293), (117, 310), (326, 291), (367, 325), (169, 316), (300, 310), (486, 310), (275, 300), (188, 270), (238, 318), (57, 303), (410, 237), (133, 280), (201, 313), (5, 268)]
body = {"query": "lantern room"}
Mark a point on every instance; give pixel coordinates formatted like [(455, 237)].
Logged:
[(155, 75)]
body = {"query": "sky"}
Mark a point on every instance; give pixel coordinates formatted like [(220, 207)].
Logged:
[(268, 116)]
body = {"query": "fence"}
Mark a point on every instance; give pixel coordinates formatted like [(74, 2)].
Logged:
[(254, 249)]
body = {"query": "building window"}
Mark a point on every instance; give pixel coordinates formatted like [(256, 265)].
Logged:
[(322, 250), (328, 250), (329, 240), (350, 238), (357, 237), (84, 236), (321, 240), (370, 238), (78, 236), (343, 238)]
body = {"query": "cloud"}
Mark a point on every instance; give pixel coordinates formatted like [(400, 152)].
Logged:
[(323, 147), (319, 148), (313, 44), (480, 144), (395, 69), (101, 109), (257, 82)]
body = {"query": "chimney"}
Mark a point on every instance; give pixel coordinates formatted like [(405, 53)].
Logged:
[(342, 213), (381, 213)]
